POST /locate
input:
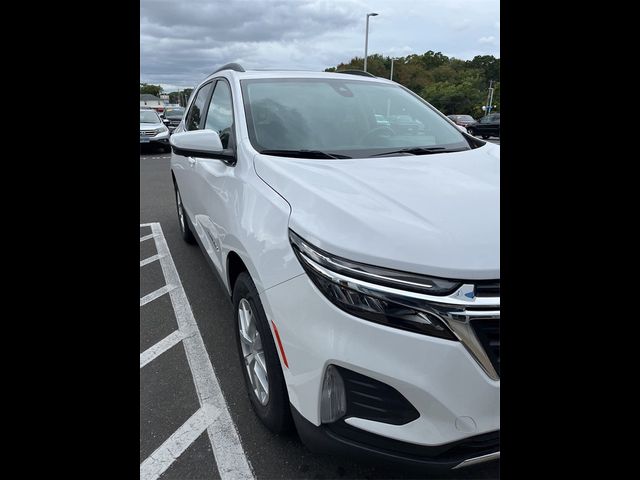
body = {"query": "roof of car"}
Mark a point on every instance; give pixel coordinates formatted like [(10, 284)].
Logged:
[(239, 72)]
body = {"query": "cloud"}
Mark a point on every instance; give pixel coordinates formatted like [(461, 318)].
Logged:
[(461, 24), (490, 40), (182, 41)]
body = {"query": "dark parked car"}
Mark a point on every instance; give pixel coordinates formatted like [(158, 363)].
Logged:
[(462, 120), (405, 125), (174, 116), (486, 127)]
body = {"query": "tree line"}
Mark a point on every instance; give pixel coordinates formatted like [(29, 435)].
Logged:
[(180, 97), (451, 85)]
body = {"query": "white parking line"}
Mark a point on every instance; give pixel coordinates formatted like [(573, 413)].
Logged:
[(146, 261), (227, 449), (156, 464), (156, 293), (160, 347), (147, 237)]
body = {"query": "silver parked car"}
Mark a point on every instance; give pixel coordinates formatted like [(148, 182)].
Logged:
[(153, 130)]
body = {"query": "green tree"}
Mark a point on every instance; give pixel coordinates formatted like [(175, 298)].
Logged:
[(452, 85), (488, 64), (150, 89), (174, 97)]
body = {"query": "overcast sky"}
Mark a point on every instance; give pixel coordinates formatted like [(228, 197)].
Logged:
[(182, 41)]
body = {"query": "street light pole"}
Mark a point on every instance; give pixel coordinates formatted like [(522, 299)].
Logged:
[(489, 98), (393, 59), (366, 40)]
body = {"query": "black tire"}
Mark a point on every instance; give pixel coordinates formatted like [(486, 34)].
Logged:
[(183, 221), (166, 149), (471, 132), (276, 413)]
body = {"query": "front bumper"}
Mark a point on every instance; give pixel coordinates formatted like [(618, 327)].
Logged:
[(159, 139), (454, 396), (343, 440)]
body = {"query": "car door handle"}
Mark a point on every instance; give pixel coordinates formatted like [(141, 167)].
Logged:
[(192, 161)]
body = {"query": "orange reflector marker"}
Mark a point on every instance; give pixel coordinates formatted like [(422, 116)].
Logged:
[(284, 357)]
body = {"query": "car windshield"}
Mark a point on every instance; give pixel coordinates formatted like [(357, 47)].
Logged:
[(174, 112), (148, 116), (353, 118)]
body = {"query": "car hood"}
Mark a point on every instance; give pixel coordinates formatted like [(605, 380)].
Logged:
[(433, 214), (150, 126)]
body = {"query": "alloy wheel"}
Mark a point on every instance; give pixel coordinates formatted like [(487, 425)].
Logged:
[(253, 352), (180, 210)]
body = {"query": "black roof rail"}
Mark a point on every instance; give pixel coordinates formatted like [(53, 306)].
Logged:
[(231, 66), (357, 72)]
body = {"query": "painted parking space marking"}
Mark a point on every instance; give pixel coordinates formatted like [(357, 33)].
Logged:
[(147, 261), (156, 293), (162, 458), (147, 237), (225, 442), (160, 347)]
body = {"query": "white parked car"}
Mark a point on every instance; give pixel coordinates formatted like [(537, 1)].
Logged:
[(362, 261)]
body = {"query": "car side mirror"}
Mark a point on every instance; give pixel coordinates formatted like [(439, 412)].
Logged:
[(197, 143)]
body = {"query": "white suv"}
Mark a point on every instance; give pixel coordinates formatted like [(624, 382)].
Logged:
[(356, 230)]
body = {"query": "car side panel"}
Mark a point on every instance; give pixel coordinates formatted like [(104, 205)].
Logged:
[(242, 214)]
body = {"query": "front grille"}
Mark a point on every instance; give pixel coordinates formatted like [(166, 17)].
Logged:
[(488, 288), (373, 400), (174, 122), (488, 332), (149, 133)]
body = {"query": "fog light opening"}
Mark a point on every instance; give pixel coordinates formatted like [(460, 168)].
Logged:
[(333, 402)]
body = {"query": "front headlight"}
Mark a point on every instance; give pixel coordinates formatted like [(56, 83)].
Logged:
[(161, 130), (373, 293)]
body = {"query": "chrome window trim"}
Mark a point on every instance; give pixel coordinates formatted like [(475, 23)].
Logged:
[(455, 310)]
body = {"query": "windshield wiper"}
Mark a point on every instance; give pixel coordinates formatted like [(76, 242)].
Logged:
[(303, 154), (420, 151)]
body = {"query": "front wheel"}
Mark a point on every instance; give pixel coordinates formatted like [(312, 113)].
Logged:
[(187, 234), (259, 358)]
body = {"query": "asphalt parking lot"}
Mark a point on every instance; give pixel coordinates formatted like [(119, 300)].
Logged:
[(196, 420)]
